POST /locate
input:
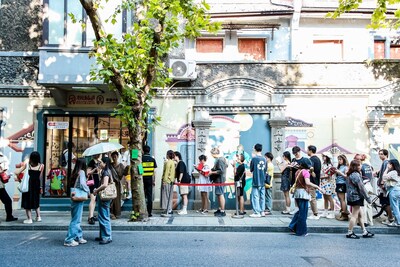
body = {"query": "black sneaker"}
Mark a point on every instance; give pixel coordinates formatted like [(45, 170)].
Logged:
[(217, 212), (11, 219), (221, 214), (91, 221)]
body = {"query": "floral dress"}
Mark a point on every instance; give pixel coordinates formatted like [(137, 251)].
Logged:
[(327, 184)]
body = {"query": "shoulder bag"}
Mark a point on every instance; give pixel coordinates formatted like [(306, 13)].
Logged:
[(77, 193), (110, 192), (23, 186)]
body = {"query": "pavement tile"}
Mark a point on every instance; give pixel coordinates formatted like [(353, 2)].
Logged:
[(191, 222)]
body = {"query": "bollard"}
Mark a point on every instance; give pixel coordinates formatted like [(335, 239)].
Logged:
[(236, 215)]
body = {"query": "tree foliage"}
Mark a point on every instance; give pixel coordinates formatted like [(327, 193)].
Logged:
[(384, 15), (135, 64)]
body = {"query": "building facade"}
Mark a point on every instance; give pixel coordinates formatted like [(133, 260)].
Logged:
[(278, 73)]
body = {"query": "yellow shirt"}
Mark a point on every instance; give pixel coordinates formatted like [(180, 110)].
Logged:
[(168, 172), (270, 171)]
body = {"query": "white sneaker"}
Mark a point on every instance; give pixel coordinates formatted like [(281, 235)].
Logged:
[(313, 217), (255, 215), (28, 221), (82, 241), (331, 215), (72, 244), (262, 214), (38, 219), (324, 214), (182, 212)]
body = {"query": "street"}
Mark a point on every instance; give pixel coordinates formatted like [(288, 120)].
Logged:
[(28, 248)]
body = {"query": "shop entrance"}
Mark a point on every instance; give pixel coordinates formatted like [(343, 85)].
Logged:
[(67, 137)]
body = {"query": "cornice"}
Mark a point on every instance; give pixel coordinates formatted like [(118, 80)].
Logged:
[(387, 109), (6, 91), (213, 109)]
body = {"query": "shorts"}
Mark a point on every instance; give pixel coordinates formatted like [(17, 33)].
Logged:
[(359, 202), (240, 190), (219, 190), (341, 188), (183, 189), (384, 200)]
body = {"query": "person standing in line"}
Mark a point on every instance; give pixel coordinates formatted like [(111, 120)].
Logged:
[(258, 165), (93, 171), (327, 186), (182, 176), (31, 199), (356, 193), (298, 225), (149, 169), (284, 167), (4, 197), (219, 171), (341, 186), (383, 199), (296, 162), (204, 171), (117, 170), (392, 185), (167, 182), (268, 184), (103, 206), (78, 179), (315, 173), (240, 176), (368, 179)]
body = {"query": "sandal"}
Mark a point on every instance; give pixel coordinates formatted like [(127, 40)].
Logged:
[(353, 236), (368, 235)]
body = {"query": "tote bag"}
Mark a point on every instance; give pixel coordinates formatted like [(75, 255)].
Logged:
[(78, 195), (110, 192), (23, 187)]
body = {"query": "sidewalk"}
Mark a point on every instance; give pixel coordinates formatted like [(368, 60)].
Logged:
[(59, 221)]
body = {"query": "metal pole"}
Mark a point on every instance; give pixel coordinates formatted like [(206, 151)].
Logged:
[(237, 215)]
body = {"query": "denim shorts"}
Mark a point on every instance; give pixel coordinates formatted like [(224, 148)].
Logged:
[(219, 190)]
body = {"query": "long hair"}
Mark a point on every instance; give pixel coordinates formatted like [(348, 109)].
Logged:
[(345, 161), (286, 154), (170, 154), (79, 165), (396, 165), (107, 161), (354, 164), (327, 159)]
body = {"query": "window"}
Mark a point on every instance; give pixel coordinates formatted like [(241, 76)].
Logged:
[(328, 50), (252, 48), (379, 49), (58, 28), (395, 51), (209, 45)]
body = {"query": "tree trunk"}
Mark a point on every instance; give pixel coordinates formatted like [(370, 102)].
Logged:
[(139, 208)]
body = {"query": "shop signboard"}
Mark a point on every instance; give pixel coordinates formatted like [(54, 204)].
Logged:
[(57, 125)]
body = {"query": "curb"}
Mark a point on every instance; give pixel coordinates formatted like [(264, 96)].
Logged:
[(201, 228)]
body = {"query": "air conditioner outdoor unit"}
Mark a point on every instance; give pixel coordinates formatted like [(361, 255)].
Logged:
[(184, 70)]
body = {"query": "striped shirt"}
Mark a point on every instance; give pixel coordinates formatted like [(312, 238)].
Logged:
[(149, 164)]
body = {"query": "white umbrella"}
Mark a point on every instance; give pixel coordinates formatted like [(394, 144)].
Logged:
[(101, 148)]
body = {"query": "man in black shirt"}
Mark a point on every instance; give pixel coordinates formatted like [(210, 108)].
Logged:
[(315, 177), (149, 166)]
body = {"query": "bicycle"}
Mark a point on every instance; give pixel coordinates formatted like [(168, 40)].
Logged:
[(377, 208)]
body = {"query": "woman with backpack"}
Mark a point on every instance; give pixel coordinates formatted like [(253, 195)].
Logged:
[(356, 193)]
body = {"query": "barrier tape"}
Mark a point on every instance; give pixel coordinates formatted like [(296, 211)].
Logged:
[(214, 184)]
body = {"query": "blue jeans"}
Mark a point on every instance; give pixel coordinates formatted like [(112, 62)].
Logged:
[(258, 198), (74, 229), (268, 199), (103, 210), (394, 197), (299, 221)]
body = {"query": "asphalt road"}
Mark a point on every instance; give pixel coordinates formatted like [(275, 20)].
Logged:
[(198, 249)]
